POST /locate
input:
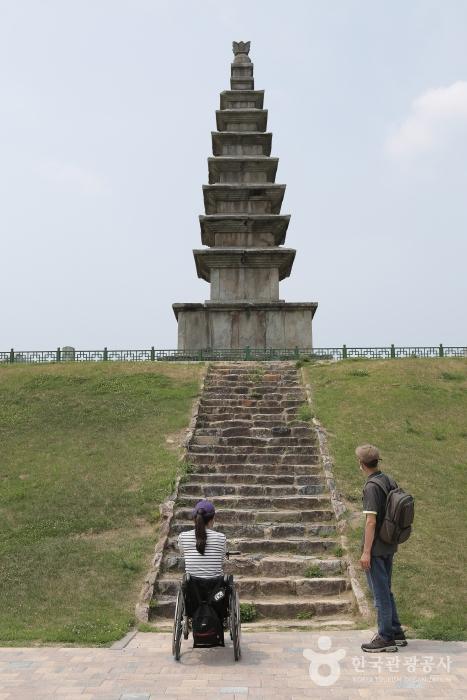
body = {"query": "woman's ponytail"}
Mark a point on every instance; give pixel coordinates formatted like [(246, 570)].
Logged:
[(200, 531), (202, 513)]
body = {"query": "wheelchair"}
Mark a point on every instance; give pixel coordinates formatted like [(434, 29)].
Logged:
[(228, 610)]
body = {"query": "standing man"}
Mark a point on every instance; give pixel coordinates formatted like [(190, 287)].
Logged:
[(377, 556)]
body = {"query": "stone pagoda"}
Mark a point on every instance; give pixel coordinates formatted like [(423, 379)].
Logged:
[(243, 231)]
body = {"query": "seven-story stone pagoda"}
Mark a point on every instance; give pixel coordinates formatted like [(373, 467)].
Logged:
[(243, 230)]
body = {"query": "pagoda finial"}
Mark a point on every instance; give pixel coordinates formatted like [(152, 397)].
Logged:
[(241, 50)]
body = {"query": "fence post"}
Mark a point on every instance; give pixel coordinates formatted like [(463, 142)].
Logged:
[(153, 353), (105, 354), (441, 350), (58, 355), (393, 351), (344, 352), (12, 355), (201, 355), (296, 352), (247, 353)]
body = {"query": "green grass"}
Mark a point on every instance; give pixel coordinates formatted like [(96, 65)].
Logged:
[(84, 465), (415, 412)]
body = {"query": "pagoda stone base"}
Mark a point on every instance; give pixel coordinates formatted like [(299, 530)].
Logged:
[(223, 326)]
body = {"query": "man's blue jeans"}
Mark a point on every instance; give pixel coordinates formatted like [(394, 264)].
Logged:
[(379, 581)]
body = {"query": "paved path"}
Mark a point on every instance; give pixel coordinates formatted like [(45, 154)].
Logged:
[(272, 666)]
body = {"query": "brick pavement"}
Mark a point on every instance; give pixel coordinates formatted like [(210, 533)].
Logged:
[(272, 666)]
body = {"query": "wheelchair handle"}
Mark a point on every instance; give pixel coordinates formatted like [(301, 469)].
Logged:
[(227, 554)]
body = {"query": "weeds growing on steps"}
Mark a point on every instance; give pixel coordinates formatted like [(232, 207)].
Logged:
[(305, 615), (248, 612), (313, 571), (304, 413)]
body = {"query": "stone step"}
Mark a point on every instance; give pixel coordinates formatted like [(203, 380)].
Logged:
[(258, 565), (268, 422), (248, 430), (195, 457), (279, 368), (259, 531), (307, 546), (235, 394), (199, 490), (240, 411), (259, 373), (262, 502), (260, 450), (247, 479), (267, 587), (248, 402), (286, 387), (317, 624), (223, 381), (265, 469), (213, 441), (250, 413), (273, 517), (275, 607)]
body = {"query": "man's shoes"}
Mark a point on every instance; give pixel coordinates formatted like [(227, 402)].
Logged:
[(378, 644), (400, 639)]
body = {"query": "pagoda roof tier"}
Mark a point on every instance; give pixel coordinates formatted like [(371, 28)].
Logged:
[(236, 169), (229, 224), (241, 119), (243, 199), (278, 304), (238, 143), (215, 258), (241, 99)]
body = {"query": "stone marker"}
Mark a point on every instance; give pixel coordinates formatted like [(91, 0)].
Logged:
[(68, 353), (243, 230)]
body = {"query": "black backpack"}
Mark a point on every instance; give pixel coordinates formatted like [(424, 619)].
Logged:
[(207, 626), (399, 515)]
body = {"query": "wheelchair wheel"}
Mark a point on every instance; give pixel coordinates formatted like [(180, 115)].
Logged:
[(178, 625), (235, 625)]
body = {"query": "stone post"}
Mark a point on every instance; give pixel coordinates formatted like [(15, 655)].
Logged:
[(68, 353)]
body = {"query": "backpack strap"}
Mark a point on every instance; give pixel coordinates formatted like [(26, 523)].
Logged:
[(385, 487)]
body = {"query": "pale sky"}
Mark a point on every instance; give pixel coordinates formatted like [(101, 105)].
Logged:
[(106, 109)]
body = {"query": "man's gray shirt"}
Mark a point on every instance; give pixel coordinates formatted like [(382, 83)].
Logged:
[(374, 501)]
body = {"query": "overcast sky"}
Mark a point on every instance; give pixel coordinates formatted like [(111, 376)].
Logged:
[(106, 109)]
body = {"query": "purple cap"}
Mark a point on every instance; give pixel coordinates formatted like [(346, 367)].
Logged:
[(204, 507)]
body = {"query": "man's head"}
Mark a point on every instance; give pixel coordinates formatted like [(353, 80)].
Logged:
[(368, 457)]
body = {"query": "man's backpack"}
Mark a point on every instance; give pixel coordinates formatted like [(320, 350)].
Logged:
[(398, 518), (207, 626)]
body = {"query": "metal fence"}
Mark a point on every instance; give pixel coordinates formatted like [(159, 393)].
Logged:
[(69, 354)]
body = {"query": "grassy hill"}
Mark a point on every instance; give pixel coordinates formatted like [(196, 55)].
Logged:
[(415, 411), (84, 462)]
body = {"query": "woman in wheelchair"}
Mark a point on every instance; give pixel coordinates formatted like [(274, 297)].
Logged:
[(207, 600), (203, 549)]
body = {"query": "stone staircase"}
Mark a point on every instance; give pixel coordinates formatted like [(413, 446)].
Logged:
[(258, 462)]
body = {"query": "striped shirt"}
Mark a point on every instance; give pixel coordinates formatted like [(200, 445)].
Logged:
[(209, 564)]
